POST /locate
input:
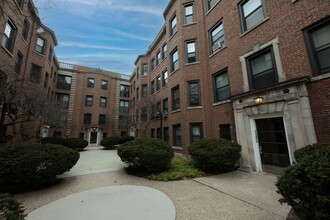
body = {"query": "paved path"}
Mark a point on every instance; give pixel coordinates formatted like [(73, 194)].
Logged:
[(235, 195)]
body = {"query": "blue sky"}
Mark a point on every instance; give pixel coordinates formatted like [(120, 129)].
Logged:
[(107, 34)]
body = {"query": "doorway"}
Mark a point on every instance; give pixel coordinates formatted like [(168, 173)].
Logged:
[(93, 139), (272, 144)]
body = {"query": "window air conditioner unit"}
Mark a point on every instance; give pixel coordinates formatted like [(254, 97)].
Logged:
[(217, 45)]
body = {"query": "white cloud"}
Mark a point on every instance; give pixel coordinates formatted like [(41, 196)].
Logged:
[(82, 45)]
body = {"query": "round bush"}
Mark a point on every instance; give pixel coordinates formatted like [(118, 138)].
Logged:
[(10, 209), (305, 186), (111, 142), (23, 167), (215, 155), (73, 143), (150, 155)]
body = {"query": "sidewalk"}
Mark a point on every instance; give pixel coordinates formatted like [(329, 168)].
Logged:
[(235, 195)]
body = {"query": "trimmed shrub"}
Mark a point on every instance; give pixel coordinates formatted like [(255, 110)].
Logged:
[(111, 142), (305, 185), (24, 167), (73, 143), (150, 155), (215, 155), (10, 209)]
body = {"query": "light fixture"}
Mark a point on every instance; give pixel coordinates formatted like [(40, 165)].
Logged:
[(259, 100)]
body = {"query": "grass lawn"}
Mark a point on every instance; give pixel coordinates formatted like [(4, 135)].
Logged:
[(179, 169)]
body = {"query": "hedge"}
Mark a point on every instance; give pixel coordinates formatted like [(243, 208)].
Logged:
[(10, 209), (215, 155), (24, 167), (150, 155), (73, 143), (305, 185), (111, 142)]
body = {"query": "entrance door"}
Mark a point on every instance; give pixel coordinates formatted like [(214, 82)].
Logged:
[(93, 139), (272, 144)]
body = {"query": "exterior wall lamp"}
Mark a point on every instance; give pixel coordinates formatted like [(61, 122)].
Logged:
[(259, 100)]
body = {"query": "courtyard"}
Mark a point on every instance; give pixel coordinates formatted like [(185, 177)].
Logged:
[(99, 176)]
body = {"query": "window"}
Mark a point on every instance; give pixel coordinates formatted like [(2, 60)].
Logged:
[(124, 91), (102, 119), (153, 111), (137, 73), (123, 122), (225, 131), (159, 133), (177, 135), (144, 90), (63, 82), (158, 107), (50, 54), (152, 133), (9, 37), (123, 106), (103, 102), (173, 24), (87, 119), (137, 93), (211, 3), (174, 60), (194, 93), (144, 69), (165, 105), (221, 86), (175, 98), (25, 29), (217, 37), (152, 89), (252, 13), (46, 80), (165, 78), (90, 82), (158, 83), (189, 13), (40, 45), (164, 51), (18, 63), (318, 46), (35, 74), (196, 132), (166, 134), (104, 84), (144, 114), (89, 100), (152, 64), (158, 58), (262, 69), (64, 98), (191, 52)]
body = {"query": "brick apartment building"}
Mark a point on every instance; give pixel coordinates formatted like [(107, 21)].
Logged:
[(27, 59), (256, 72), (96, 101)]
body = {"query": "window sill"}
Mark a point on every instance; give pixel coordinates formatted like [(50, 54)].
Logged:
[(174, 71), (7, 51), (218, 51), (40, 54), (209, 11), (194, 63), (175, 111), (189, 24), (222, 102), (24, 40), (254, 27), (194, 107), (172, 36), (320, 77)]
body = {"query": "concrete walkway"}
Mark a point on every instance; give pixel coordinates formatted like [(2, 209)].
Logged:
[(235, 195)]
